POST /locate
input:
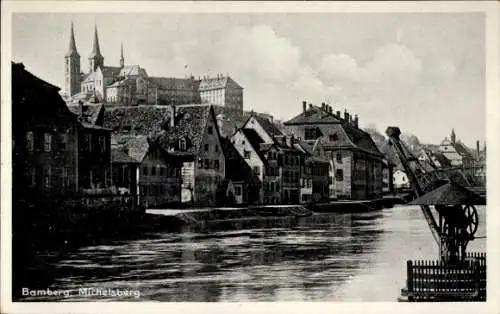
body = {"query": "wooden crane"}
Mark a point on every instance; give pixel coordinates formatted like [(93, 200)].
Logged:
[(457, 219)]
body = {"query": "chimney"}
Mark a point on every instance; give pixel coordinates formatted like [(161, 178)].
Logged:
[(346, 116), (310, 106), (172, 116), (323, 106), (356, 121), (304, 106), (330, 109), (477, 148), (338, 114)]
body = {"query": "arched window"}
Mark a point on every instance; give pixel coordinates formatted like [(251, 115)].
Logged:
[(182, 144)]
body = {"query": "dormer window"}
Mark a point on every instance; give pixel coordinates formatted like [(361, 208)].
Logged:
[(182, 144), (333, 137)]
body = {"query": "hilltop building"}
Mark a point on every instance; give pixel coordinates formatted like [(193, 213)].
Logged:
[(131, 85)]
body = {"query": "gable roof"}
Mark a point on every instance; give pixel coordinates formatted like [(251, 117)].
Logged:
[(190, 122), (361, 139), (87, 113), (108, 71), (255, 141), (270, 128), (130, 70), (463, 150), (313, 115), (118, 155), (137, 148), (441, 158), (236, 167), (217, 83)]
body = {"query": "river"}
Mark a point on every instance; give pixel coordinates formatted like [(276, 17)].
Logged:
[(335, 257)]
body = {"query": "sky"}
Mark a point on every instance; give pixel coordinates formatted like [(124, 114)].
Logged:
[(423, 72)]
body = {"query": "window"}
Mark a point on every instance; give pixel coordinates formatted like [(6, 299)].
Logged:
[(210, 130), (243, 142), (145, 170), (29, 141), (47, 142), (200, 163), (65, 177), (246, 154), (339, 157), (64, 140), (206, 147), (216, 148), (153, 170), (162, 171), (207, 163), (182, 144), (47, 177), (256, 170), (33, 177), (88, 140), (216, 164), (339, 175), (333, 137), (102, 143), (310, 134), (237, 190)]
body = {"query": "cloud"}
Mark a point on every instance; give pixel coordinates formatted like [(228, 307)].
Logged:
[(391, 64)]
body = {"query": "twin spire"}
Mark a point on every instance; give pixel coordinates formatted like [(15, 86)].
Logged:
[(72, 45), (96, 49)]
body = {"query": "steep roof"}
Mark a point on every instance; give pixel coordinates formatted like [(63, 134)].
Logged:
[(137, 148), (27, 93), (268, 126), (125, 82), (108, 71), (313, 115), (118, 155), (441, 158), (132, 70), (141, 120), (361, 138), (217, 83), (463, 150), (255, 141), (190, 122), (72, 51), (88, 113), (173, 83), (236, 167)]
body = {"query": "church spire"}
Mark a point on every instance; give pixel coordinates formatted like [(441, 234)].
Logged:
[(72, 45), (95, 59), (453, 136), (122, 59), (96, 50)]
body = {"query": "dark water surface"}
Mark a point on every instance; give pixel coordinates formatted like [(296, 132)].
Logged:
[(334, 257)]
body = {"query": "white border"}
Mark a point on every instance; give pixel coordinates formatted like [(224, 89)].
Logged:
[(490, 8)]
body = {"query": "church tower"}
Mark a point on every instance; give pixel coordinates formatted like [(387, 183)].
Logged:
[(72, 67), (122, 59), (95, 58)]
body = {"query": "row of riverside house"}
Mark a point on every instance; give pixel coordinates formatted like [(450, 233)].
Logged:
[(175, 155)]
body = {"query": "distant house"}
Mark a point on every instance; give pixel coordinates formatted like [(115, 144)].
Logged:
[(124, 170), (222, 91), (192, 132), (314, 183), (242, 185), (157, 173), (400, 179), (355, 161), (273, 158)]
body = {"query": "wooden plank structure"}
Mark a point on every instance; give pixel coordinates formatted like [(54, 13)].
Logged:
[(438, 281)]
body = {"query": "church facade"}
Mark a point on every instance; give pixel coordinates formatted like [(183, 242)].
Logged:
[(131, 85)]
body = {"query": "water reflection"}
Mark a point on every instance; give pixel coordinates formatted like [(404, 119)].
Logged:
[(318, 258)]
